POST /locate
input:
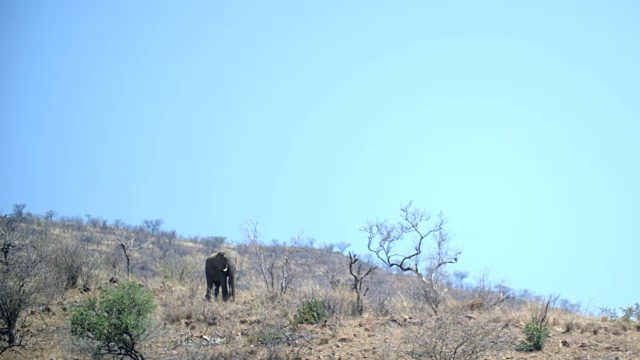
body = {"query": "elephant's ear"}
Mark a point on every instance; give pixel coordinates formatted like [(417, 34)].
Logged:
[(237, 263)]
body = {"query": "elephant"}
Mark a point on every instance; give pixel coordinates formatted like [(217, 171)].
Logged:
[(219, 267)]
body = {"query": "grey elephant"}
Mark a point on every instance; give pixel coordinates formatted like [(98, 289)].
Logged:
[(220, 269)]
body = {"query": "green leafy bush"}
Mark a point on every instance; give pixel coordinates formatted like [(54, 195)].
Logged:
[(535, 336), (538, 329), (312, 311), (117, 322)]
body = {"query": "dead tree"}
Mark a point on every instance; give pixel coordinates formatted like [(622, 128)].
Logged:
[(10, 236), (131, 243), (23, 277), (275, 267), (165, 242), (426, 257), (358, 278), (153, 226), (488, 294)]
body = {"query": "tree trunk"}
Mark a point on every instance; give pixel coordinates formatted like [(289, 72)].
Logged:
[(12, 331), (359, 304)]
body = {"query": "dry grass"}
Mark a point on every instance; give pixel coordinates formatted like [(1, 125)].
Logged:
[(396, 323)]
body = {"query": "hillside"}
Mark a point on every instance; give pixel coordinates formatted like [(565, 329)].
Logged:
[(79, 259)]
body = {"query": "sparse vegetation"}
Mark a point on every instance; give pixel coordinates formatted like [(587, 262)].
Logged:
[(628, 317), (306, 308)]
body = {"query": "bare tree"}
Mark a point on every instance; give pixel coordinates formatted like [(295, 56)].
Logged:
[(165, 242), (328, 247), (131, 243), (489, 294), (250, 232), (49, 215), (94, 222), (10, 236), (358, 277), (274, 267), (18, 211), (68, 260), (153, 225), (213, 243), (170, 236), (425, 258), (342, 246), (22, 276), (286, 273), (460, 276)]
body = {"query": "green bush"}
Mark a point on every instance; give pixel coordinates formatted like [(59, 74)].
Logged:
[(535, 336), (631, 312), (117, 322), (312, 311), (537, 330)]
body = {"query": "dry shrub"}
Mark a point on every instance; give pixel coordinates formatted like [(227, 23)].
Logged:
[(570, 325), (452, 334), (380, 303), (69, 262), (279, 340), (180, 269)]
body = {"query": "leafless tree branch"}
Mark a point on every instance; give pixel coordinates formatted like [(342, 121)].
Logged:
[(384, 238)]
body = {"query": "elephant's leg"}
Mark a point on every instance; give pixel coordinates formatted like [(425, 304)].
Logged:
[(225, 290), (209, 285), (217, 289)]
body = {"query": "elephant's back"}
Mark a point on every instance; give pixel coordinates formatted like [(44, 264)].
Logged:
[(222, 259), (215, 258)]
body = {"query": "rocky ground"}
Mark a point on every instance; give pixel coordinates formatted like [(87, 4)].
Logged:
[(240, 331)]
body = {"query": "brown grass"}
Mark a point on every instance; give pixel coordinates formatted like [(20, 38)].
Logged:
[(396, 324)]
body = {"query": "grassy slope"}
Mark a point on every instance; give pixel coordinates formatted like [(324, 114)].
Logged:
[(258, 326)]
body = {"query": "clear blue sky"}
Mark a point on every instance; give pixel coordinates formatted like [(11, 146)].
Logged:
[(520, 121)]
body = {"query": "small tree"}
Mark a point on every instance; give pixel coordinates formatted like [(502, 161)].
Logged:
[(384, 239), (358, 277), (537, 330), (153, 226), (275, 268), (213, 243), (22, 275), (69, 260), (131, 243), (342, 246), (488, 294), (117, 323), (460, 276), (165, 243)]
